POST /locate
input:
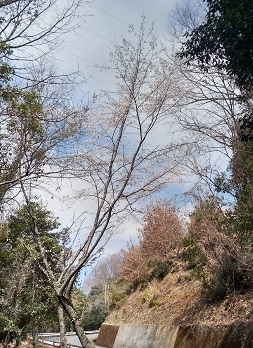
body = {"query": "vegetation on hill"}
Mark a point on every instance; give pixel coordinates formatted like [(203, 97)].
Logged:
[(206, 274), (183, 266)]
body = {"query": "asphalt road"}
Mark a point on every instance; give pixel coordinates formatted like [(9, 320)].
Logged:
[(72, 338)]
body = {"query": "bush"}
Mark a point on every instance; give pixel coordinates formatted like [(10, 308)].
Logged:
[(140, 282), (161, 233), (115, 299), (94, 318), (230, 277), (192, 254), (154, 302), (153, 269), (219, 265), (159, 269)]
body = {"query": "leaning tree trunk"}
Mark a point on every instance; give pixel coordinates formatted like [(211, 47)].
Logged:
[(35, 334), (68, 307), (63, 339)]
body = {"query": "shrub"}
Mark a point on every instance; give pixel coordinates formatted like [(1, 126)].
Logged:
[(154, 302), (152, 269), (115, 299), (162, 230), (192, 254), (159, 269), (94, 318), (214, 254), (160, 234), (132, 266)]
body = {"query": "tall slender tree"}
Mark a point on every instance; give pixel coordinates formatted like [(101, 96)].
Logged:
[(117, 159)]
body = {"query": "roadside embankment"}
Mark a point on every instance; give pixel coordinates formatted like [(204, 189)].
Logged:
[(236, 335), (172, 314)]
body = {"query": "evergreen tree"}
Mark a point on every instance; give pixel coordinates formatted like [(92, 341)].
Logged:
[(27, 301)]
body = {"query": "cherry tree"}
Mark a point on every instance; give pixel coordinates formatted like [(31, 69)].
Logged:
[(123, 158)]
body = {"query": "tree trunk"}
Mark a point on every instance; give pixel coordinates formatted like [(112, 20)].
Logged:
[(7, 339), (35, 333), (68, 307), (63, 339)]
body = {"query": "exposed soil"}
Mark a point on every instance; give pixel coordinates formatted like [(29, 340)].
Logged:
[(177, 298)]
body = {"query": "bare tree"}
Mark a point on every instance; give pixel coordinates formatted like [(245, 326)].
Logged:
[(162, 231), (186, 16), (160, 234), (134, 262), (209, 121), (29, 23), (120, 160), (210, 112), (106, 270), (37, 126), (30, 31)]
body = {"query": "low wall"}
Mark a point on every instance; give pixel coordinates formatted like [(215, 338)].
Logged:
[(236, 335), (145, 336), (107, 335), (139, 336)]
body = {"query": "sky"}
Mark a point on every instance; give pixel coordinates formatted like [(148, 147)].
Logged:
[(104, 23)]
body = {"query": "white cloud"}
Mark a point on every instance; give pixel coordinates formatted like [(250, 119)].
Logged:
[(106, 22)]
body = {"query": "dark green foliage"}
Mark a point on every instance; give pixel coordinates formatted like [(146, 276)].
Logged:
[(242, 169), (224, 40), (96, 311), (94, 318), (6, 71), (246, 127), (20, 222), (22, 128), (159, 269), (223, 184), (25, 294), (21, 232), (21, 149), (192, 254), (229, 278)]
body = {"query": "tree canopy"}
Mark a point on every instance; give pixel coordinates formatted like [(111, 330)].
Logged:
[(224, 40), (26, 299)]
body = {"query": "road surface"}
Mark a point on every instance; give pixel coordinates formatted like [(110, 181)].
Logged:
[(72, 339)]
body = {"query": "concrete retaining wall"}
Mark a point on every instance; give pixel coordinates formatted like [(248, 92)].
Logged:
[(107, 335), (145, 336), (236, 335), (139, 336)]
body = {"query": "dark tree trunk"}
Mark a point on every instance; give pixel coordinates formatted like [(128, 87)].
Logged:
[(68, 307), (35, 333), (63, 339)]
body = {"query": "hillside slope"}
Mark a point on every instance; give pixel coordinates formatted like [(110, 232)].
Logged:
[(177, 299)]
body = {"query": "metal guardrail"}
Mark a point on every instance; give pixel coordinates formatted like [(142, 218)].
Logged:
[(71, 333), (44, 339)]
